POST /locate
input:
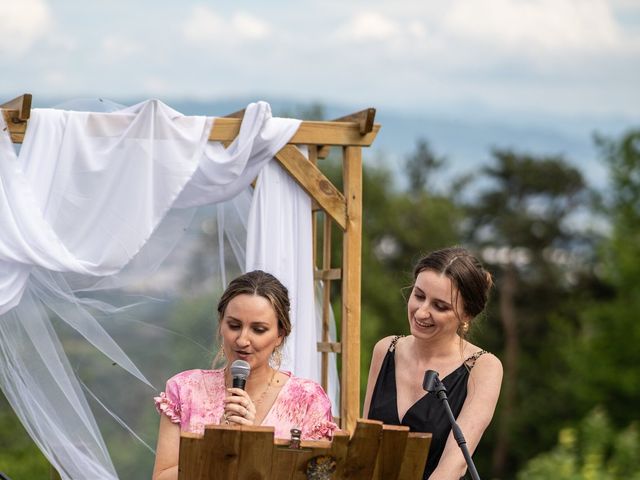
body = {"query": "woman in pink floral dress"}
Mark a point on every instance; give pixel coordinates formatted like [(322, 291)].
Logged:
[(253, 324)]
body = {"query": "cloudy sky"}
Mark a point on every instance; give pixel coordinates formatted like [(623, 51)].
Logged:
[(558, 57)]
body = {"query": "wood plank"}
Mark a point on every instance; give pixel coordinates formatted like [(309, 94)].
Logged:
[(283, 462), (222, 447), (364, 118), (328, 274), (314, 182), (226, 129), (324, 151), (16, 130), (415, 456), (309, 452), (329, 347), (351, 270), (363, 450), (309, 133), (391, 452), (256, 452), (20, 108), (339, 450), (192, 457), (291, 463)]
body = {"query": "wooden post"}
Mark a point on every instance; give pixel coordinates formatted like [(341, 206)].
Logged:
[(351, 267)]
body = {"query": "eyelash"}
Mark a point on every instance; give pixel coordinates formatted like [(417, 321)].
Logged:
[(439, 307), (258, 330)]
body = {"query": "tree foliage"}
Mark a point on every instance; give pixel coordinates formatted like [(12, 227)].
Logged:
[(603, 353), (593, 450), (520, 222)]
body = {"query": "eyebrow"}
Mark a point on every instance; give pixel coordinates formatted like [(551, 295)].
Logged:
[(252, 322)]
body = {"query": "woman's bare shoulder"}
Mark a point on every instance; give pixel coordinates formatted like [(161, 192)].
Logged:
[(384, 344), (487, 364)]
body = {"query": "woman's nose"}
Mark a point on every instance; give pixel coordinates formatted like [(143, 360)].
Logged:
[(424, 309), (243, 337)]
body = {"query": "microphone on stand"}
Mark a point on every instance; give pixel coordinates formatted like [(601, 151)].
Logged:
[(239, 372), (432, 384)]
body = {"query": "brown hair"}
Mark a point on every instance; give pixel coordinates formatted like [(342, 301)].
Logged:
[(467, 275), (265, 285)]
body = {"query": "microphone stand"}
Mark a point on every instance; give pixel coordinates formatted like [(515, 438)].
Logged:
[(432, 384)]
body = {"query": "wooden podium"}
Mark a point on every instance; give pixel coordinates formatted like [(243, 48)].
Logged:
[(375, 451)]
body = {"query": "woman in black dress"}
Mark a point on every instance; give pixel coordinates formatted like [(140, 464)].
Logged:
[(450, 290)]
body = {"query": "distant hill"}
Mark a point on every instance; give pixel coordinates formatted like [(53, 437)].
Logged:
[(464, 137)]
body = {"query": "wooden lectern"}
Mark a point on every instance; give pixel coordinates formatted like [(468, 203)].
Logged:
[(375, 451)]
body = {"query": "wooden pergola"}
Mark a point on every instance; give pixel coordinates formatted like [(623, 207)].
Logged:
[(342, 208)]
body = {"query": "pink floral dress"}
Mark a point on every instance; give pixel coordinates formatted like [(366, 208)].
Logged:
[(195, 398)]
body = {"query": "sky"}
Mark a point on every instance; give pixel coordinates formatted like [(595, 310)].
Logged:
[(537, 57)]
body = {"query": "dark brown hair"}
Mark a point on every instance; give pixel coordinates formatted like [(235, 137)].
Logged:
[(265, 285), (467, 275)]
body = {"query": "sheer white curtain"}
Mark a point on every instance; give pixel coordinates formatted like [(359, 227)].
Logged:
[(96, 201), (288, 254)]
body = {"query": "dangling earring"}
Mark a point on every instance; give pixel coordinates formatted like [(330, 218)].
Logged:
[(220, 356), (464, 328), (276, 358)]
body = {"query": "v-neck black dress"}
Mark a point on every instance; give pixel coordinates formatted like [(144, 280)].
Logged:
[(427, 414)]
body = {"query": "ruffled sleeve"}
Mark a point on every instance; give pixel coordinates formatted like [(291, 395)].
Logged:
[(168, 402), (317, 423)]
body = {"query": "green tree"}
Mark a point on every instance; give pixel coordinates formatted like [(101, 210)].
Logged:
[(521, 225), (19, 456), (421, 166), (603, 353), (592, 451)]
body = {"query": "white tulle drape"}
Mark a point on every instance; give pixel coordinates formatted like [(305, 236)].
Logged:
[(96, 202)]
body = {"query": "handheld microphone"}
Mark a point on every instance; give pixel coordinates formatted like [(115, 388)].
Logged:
[(239, 372)]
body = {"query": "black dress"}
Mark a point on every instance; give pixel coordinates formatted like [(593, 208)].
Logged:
[(427, 414)]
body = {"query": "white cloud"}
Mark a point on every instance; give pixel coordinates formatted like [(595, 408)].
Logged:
[(116, 47), (369, 26), (204, 25), (248, 26), (22, 23), (547, 25)]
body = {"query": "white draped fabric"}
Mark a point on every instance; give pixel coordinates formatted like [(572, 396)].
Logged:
[(290, 230), (93, 196)]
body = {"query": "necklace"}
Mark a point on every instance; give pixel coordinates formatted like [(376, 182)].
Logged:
[(266, 390)]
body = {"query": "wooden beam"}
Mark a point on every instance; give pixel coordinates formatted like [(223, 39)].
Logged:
[(309, 133), (16, 112), (329, 347), (238, 114), (313, 181), (225, 129), (19, 108), (16, 130), (364, 119), (329, 274)]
